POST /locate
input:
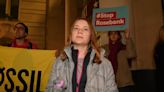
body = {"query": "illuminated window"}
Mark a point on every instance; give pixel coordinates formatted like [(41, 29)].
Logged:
[(9, 9)]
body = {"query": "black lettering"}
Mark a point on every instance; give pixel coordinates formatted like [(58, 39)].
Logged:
[(10, 80), (22, 80), (2, 75), (38, 82), (32, 81)]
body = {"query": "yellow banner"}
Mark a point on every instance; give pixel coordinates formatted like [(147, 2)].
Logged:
[(24, 70)]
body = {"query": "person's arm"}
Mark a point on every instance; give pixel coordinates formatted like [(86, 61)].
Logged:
[(110, 83), (52, 77), (55, 84), (130, 47)]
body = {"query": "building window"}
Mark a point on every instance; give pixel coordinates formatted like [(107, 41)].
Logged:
[(9, 9), (2, 8)]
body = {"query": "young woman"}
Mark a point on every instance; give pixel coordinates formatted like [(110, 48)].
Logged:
[(121, 56), (82, 66), (115, 45)]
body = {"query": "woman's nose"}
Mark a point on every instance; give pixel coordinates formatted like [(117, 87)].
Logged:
[(80, 30)]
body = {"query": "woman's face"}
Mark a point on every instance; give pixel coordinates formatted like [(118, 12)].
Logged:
[(113, 36), (81, 33)]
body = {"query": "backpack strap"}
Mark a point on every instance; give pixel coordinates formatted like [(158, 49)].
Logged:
[(29, 45)]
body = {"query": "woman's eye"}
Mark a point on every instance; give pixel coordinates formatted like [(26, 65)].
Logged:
[(85, 29), (75, 29)]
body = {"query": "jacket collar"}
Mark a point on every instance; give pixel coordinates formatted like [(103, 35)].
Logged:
[(68, 52), (92, 68)]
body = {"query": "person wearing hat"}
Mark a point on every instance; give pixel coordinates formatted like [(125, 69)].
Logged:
[(20, 40)]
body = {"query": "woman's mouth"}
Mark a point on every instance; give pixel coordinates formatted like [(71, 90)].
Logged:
[(79, 37)]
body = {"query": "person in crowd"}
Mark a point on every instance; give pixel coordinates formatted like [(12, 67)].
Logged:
[(121, 56), (159, 59), (21, 40), (82, 67)]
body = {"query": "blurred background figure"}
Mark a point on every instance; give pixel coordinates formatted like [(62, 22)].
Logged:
[(121, 56), (20, 40), (159, 59)]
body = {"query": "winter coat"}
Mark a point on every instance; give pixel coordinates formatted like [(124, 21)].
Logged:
[(100, 77), (124, 75)]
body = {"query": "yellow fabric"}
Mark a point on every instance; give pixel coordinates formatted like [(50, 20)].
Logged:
[(20, 68)]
